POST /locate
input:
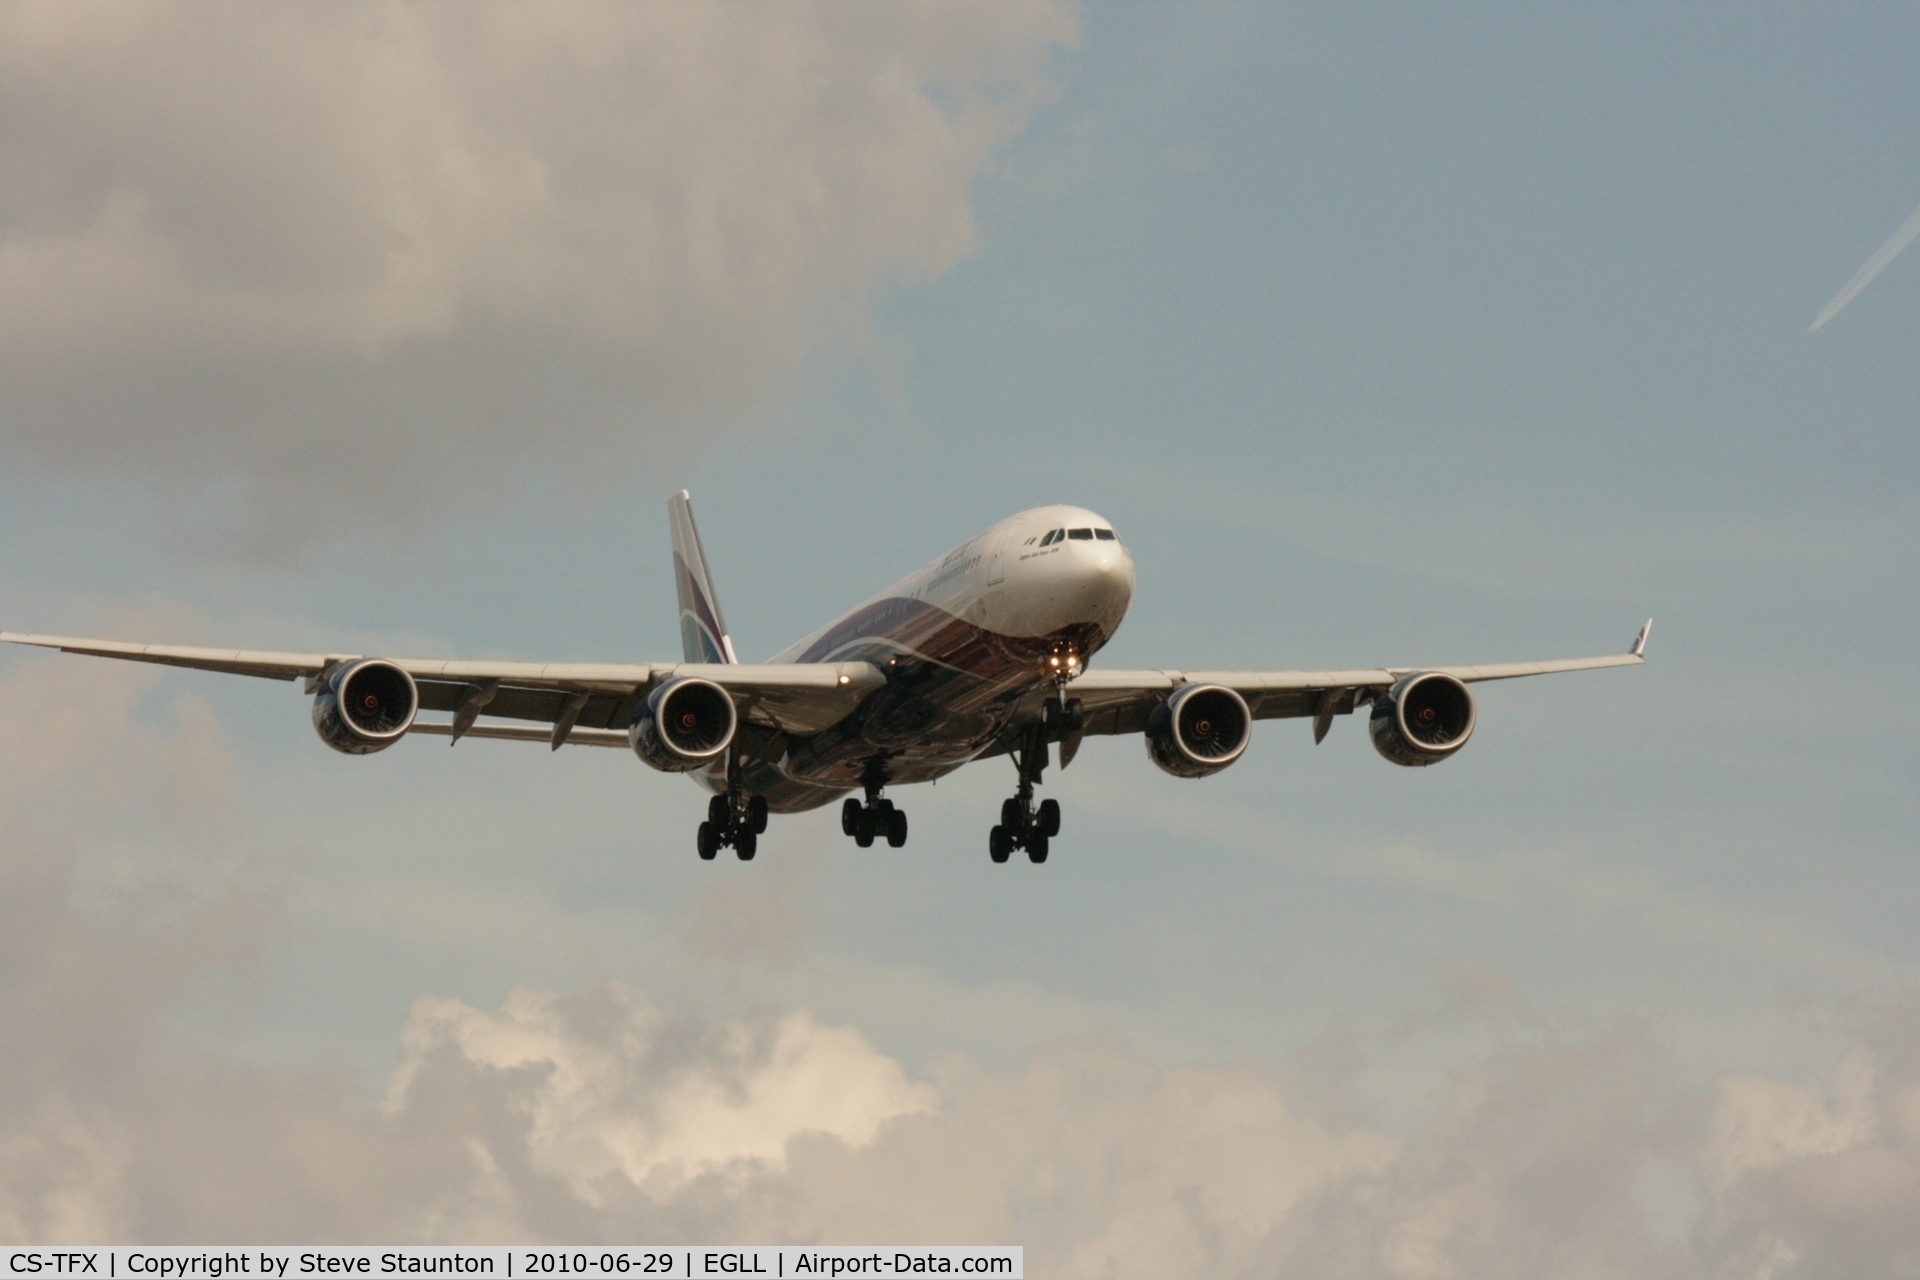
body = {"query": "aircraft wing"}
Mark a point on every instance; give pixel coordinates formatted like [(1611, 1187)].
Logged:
[(1120, 701), (587, 702)]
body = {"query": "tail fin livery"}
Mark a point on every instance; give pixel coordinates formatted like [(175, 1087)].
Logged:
[(703, 632)]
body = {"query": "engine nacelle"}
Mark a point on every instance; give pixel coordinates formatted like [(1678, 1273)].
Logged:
[(1422, 720), (1200, 729), (366, 706), (685, 725)]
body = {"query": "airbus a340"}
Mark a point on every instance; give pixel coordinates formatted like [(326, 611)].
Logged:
[(983, 653)]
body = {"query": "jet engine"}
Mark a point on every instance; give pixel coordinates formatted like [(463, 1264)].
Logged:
[(1200, 729), (366, 706), (684, 726), (1422, 720)]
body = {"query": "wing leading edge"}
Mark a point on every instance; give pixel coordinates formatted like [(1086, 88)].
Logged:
[(1118, 702), (796, 698)]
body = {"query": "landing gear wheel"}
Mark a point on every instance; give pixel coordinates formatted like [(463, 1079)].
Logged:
[(874, 819), (708, 841), (1049, 818), (745, 844), (1012, 815), (757, 814), (1000, 844), (720, 813), (1036, 847)]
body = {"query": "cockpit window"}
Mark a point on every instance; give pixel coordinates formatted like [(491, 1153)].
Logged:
[(1080, 535), (1105, 535), (1053, 537)]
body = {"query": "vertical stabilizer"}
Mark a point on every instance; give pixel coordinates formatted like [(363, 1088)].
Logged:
[(703, 632)]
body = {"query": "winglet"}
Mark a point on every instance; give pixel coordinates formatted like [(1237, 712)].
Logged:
[(1639, 649)]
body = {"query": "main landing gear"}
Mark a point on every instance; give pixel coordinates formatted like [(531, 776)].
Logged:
[(877, 817), (733, 821), (1023, 825)]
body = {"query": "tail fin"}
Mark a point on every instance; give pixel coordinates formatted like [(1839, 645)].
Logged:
[(703, 632)]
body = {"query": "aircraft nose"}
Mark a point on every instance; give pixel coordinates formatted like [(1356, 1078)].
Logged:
[(1112, 562), (1099, 582)]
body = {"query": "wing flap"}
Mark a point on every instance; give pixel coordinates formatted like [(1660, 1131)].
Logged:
[(536, 675), (526, 733)]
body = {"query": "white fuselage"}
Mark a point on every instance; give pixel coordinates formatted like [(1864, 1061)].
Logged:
[(1003, 582), (962, 641)]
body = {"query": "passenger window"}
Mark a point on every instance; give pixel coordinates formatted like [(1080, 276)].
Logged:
[(1105, 535), (1081, 535)]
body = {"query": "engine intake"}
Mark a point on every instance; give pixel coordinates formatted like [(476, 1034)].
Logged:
[(366, 706), (685, 725), (1199, 730), (1422, 720)]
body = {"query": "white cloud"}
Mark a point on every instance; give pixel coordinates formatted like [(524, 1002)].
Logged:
[(1822, 1178), (331, 262), (611, 1090)]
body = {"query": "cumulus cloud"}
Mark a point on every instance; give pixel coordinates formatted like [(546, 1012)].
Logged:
[(319, 264), (593, 1114), (617, 1095), (1814, 1177)]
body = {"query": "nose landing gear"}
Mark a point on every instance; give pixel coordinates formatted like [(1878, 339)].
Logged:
[(874, 819), (733, 820)]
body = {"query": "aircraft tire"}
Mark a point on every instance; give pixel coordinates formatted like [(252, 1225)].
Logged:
[(1049, 817), (1000, 844), (708, 842), (1010, 816), (850, 817), (757, 815), (896, 828), (746, 844), (719, 812), (1036, 848), (864, 831)]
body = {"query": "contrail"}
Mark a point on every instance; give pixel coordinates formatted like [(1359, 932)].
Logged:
[(1908, 232)]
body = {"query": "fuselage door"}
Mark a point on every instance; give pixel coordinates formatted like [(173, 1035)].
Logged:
[(997, 562)]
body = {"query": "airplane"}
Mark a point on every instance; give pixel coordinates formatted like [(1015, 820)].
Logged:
[(985, 652)]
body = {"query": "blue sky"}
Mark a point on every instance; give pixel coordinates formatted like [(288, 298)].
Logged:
[(1382, 334)]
